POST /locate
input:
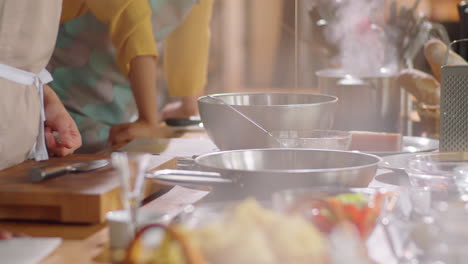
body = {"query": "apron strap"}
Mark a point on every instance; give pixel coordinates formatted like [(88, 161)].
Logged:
[(39, 151)]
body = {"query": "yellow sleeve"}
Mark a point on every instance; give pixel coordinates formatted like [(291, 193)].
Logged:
[(130, 28), (72, 9), (186, 54)]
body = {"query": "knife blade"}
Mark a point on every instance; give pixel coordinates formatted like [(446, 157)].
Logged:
[(178, 122), (51, 171)]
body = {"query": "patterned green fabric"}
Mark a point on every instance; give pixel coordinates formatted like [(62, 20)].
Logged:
[(86, 75)]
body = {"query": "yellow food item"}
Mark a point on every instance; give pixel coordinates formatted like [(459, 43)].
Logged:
[(249, 234)]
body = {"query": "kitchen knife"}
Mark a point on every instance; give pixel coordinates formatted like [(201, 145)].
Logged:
[(178, 122), (47, 172)]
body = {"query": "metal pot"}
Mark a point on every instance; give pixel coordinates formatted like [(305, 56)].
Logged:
[(272, 111), (263, 171), (366, 103)]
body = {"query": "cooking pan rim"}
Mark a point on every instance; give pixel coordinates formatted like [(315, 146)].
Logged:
[(333, 99), (301, 171)]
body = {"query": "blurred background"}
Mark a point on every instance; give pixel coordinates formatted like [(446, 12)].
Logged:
[(253, 42)]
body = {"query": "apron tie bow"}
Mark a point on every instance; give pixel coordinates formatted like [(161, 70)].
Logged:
[(39, 151)]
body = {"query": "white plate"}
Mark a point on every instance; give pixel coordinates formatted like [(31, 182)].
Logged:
[(413, 145)]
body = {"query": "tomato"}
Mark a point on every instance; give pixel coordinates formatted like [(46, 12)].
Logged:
[(353, 208)]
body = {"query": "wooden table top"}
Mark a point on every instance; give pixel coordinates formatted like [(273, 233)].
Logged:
[(86, 243)]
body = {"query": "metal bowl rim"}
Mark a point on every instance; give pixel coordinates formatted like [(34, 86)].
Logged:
[(338, 74), (376, 163), (333, 99)]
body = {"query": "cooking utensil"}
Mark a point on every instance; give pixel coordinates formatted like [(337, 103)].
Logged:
[(272, 111), (312, 139), (453, 107), (261, 171), (392, 179), (380, 92), (244, 116), (396, 163), (182, 122), (47, 172)]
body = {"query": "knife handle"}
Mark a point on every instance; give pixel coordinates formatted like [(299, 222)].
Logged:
[(40, 174)]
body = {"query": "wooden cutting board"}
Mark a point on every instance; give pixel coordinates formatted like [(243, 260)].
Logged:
[(72, 198)]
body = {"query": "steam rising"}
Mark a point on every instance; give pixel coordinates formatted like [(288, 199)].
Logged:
[(358, 31)]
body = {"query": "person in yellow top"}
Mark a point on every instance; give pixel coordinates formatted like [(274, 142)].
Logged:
[(105, 64)]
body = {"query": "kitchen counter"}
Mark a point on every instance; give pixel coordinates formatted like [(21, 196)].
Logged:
[(88, 243)]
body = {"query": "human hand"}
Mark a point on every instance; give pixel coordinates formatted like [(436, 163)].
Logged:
[(67, 138), (435, 52), (425, 87), (184, 108), (58, 121), (124, 133)]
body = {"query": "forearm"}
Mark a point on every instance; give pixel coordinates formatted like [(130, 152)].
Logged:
[(50, 97), (142, 77)]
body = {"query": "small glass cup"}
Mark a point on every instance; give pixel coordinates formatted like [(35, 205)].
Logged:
[(314, 139), (436, 170), (131, 167)]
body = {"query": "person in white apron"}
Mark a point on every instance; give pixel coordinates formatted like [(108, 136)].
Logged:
[(30, 112)]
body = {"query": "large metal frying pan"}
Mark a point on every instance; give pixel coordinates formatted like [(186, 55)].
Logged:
[(266, 170)]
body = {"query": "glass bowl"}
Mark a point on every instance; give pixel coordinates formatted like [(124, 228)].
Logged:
[(314, 139), (437, 170), (233, 232), (326, 207)]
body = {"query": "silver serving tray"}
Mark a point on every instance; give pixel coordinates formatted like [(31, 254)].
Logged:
[(396, 163), (412, 145)]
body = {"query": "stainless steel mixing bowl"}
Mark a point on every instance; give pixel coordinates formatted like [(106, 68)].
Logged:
[(260, 171), (273, 111)]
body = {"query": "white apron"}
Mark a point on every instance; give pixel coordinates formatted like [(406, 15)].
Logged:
[(28, 30)]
